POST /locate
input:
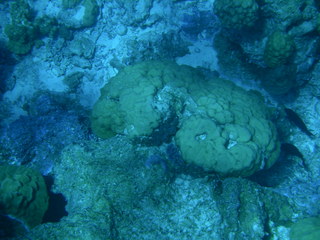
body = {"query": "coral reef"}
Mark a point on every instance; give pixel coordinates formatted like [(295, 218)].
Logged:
[(96, 204), (279, 48), (23, 194), (37, 139), (247, 133), (246, 143), (21, 32), (131, 108), (284, 35), (242, 199), (182, 154), (237, 14), (26, 29)]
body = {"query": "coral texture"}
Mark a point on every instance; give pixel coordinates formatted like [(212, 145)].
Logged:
[(237, 14), (23, 194), (279, 49), (223, 128)]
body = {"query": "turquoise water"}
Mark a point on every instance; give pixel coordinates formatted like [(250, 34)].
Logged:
[(163, 120)]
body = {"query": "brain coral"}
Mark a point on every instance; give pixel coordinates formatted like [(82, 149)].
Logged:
[(237, 14), (138, 98), (230, 132), (23, 194), (222, 127)]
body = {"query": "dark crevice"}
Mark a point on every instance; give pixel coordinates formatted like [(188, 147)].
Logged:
[(57, 204)]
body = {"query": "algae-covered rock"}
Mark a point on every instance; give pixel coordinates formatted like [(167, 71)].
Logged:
[(23, 194), (279, 208), (240, 205), (26, 30), (186, 211), (47, 26), (70, 3), (21, 12), (286, 13), (237, 14), (83, 47), (91, 12), (306, 229), (21, 38), (137, 12), (279, 48), (20, 32), (101, 181), (250, 211), (73, 80)]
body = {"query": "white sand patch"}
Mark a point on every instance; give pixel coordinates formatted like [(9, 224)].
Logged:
[(90, 94), (201, 54), (79, 14), (31, 75), (108, 43), (50, 81)]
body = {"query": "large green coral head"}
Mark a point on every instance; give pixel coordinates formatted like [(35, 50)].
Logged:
[(127, 104), (230, 132), (223, 128), (237, 14), (23, 194)]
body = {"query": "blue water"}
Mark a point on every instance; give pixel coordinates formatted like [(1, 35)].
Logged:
[(56, 56)]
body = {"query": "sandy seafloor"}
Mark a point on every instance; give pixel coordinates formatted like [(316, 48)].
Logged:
[(183, 207)]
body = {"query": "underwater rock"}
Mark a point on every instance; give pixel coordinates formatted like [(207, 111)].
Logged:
[(103, 182), (137, 12), (83, 47), (155, 159), (243, 204), (195, 22), (79, 14), (290, 149), (280, 80), (21, 32), (173, 212), (296, 119), (306, 229), (37, 139)]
